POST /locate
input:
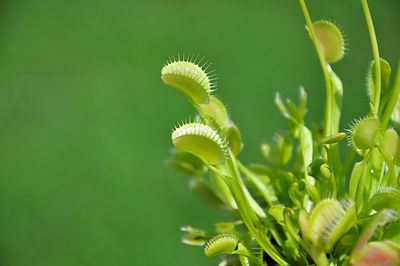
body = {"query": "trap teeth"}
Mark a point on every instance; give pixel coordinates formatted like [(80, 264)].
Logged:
[(190, 78), (330, 39), (385, 198), (202, 141), (328, 221), (221, 244), (363, 133)]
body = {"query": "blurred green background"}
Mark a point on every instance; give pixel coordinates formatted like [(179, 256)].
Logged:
[(85, 120)]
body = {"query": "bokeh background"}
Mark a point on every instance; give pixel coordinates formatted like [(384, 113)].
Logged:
[(85, 120)]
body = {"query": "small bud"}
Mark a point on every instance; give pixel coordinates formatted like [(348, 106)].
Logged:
[(325, 171), (281, 106), (334, 138), (376, 161), (285, 147), (330, 39), (302, 185), (303, 102), (266, 151), (314, 169)]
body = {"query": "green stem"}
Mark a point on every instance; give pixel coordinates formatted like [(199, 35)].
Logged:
[(389, 162), (375, 52), (242, 250), (361, 182), (348, 160), (249, 217), (393, 101), (267, 194), (318, 257), (324, 65), (383, 102), (337, 168)]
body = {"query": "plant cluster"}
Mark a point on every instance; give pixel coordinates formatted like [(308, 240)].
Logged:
[(308, 204)]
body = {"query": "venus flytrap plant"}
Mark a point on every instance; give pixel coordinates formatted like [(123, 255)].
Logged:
[(305, 205)]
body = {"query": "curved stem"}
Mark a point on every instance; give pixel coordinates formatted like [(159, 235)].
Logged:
[(324, 65), (375, 52)]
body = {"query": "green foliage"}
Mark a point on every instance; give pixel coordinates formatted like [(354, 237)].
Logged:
[(305, 202)]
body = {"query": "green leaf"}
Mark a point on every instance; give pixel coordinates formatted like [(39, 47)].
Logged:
[(204, 192), (277, 212), (216, 110), (221, 189), (294, 110), (306, 146), (282, 108), (187, 162), (227, 227), (303, 102), (390, 142), (285, 147), (392, 232), (333, 138), (194, 237), (385, 78)]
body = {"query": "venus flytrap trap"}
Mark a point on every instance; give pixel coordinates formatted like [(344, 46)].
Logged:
[(306, 205)]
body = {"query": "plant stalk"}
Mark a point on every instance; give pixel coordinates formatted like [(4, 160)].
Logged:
[(324, 65), (375, 52)]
